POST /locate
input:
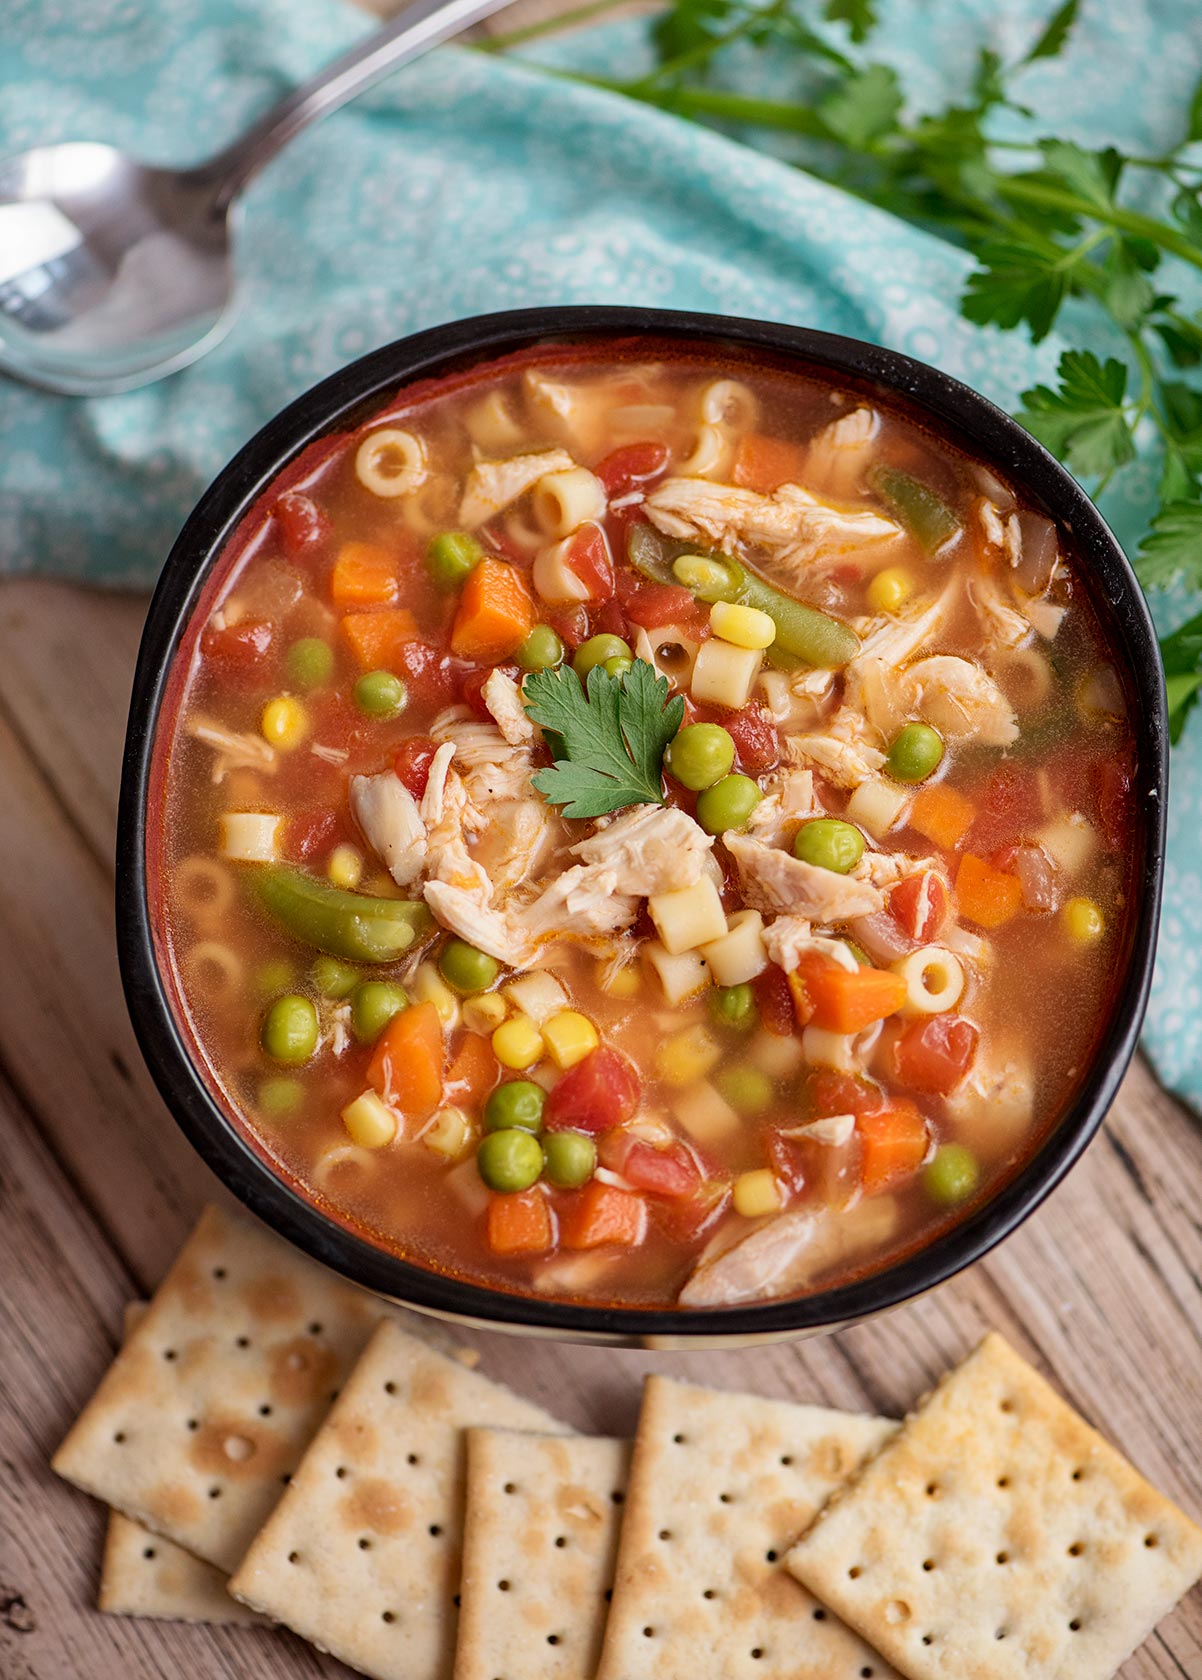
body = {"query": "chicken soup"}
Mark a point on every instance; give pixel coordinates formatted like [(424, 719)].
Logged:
[(646, 830)]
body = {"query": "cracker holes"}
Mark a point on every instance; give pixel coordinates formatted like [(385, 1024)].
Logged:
[(929, 1563), (219, 1273), (648, 1633), (1000, 1634), (932, 1490), (1002, 1559), (170, 1354), (510, 1487), (609, 1595), (119, 1439), (1151, 1541), (928, 1638), (679, 1440), (1078, 1475), (1075, 1625), (434, 1531), (413, 1458), (552, 1639), (726, 1499), (192, 1425), (316, 1329), (1006, 1406), (1078, 1546), (388, 1617), (771, 1557), (617, 1497), (867, 1673), (239, 1342), (455, 1601), (561, 1540), (285, 1478), (148, 1552), (390, 1388), (786, 1459), (364, 1543), (854, 1573), (340, 1473), (757, 1653), (1003, 1482), (819, 1613), (709, 1593), (664, 1534), (503, 1586), (294, 1557), (214, 1493)]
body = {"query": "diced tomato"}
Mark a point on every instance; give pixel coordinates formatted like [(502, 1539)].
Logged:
[(820, 1172), (304, 528), (655, 604), (787, 1160), (843, 1093), (412, 763), (775, 1000), (763, 464), (685, 1218), (631, 467), (934, 1054), (919, 905), (311, 833), (1035, 871), (610, 619), (757, 743), (588, 559), (500, 542), (570, 625), (433, 678), (237, 647), (601, 1091), (1009, 807), (661, 1172), (1113, 779)]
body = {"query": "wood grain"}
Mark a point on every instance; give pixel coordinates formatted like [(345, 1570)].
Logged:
[(1102, 1288)]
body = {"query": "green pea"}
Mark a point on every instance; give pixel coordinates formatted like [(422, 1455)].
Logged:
[(700, 755), (541, 651), (510, 1160), (618, 666), (380, 694), (915, 753), (596, 651), (828, 843), (273, 977), (465, 968), (333, 978), (290, 1029), (281, 1096), (519, 1104), (728, 804), (310, 662), (571, 1159), (733, 1006), (952, 1175), (452, 557), (373, 1004), (745, 1088)]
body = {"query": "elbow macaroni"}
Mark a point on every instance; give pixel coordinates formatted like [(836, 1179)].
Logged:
[(934, 980)]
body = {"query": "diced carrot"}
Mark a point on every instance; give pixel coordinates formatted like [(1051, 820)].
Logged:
[(375, 638), (601, 1215), (406, 1066), (519, 1223), (893, 1142), (364, 575), (942, 814), (495, 613), (830, 997), (985, 895), (473, 1071), (763, 464)]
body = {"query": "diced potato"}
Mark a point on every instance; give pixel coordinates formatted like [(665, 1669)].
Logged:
[(250, 836), (369, 1121), (705, 1114), (467, 1187), (687, 1056), (484, 1012), (682, 974), (450, 1134), (829, 1049), (428, 986), (569, 1037), (739, 955), (757, 1193), (688, 918), (1070, 841), (877, 806), (778, 1055), (538, 995), (724, 675)]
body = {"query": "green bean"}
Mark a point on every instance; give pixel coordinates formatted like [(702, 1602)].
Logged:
[(925, 514), (650, 554), (343, 924), (813, 636)]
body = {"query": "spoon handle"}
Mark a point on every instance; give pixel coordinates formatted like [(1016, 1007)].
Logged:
[(414, 30)]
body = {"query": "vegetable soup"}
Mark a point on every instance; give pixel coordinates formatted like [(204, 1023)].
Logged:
[(642, 828)]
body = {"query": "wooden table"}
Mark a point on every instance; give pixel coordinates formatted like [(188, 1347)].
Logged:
[(1102, 1288)]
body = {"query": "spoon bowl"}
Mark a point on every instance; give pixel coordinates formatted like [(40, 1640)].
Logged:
[(112, 272)]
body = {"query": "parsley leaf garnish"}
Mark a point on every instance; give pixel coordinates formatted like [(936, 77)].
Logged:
[(1084, 420), (858, 15), (1173, 546), (613, 733)]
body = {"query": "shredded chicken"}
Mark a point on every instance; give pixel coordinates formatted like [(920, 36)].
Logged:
[(785, 1253), (775, 880), (786, 940), (996, 1098), (467, 912), (843, 749), (491, 767), (840, 452), (788, 800), (1002, 623), (234, 751), (391, 823), (960, 699), (649, 849), (503, 698), (584, 900), (886, 869), (493, 485), (793, 525), (516, 843)]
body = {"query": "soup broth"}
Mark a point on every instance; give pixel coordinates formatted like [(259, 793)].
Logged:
[(644, 830)]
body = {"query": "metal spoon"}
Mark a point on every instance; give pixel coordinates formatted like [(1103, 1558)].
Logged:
[(114, 273)]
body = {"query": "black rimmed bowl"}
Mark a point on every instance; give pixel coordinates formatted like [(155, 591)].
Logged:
[(343, 401)]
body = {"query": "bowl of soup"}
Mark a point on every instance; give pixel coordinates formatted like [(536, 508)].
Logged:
[(642, 825)]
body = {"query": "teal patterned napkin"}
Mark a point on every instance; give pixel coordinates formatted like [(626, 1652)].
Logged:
[(467, 184)]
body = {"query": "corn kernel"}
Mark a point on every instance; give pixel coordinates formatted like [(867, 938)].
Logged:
[(1083, 921), (756, 1193), (284, 722), (687, 1056), (746, 627), (569, 1036), (427, 986), (517, 1043), (484, 1012), (450, 1133), (890, 589), (622, 983), (345, 867), (370, 1121)]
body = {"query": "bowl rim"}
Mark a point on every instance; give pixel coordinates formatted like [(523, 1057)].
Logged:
[(989, 433)]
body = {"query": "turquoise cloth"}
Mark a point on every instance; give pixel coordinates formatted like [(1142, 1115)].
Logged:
[(467, 184)]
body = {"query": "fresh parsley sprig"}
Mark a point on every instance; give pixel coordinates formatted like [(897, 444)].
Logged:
[(610, 736), (1046, 220)]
